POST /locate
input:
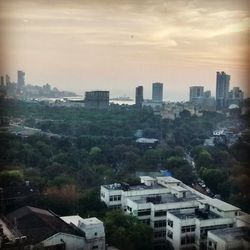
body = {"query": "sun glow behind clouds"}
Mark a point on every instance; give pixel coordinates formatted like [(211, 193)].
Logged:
[(105, 44)]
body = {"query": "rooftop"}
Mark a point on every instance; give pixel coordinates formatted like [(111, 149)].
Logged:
[(233, 234), (198, 213), (166, 198), (127, 187), (179, 189), (221, 205), (147, 140), (91, 221), (39, 224), (167, 179)]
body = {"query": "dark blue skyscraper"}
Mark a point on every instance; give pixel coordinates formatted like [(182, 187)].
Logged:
[(139, 96), (222, 90)]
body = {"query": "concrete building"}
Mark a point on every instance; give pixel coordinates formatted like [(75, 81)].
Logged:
[(30, 227), (93, 229), (2, 81), (207, 94), (176, 212), (196, 93), (42, 228), (139, 96), (97, 99), (20, 78), (237, 238), (7, 80), (222, 90), (157, 92), (236, 96)]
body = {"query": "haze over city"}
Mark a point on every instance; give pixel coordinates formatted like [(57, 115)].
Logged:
[(117, 45)]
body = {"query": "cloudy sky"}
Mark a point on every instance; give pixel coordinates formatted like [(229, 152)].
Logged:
[(116, 45)]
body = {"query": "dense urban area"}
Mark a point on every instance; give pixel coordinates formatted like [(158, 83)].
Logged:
[(56, 156)]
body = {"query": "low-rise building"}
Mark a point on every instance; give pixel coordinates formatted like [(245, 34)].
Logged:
[(32, 227), (237, 238), (176, 212), (93, 229)]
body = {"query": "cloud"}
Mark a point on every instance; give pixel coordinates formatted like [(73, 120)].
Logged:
[(126, 33)]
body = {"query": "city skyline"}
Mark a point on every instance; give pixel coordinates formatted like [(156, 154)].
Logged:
[(81, 46)]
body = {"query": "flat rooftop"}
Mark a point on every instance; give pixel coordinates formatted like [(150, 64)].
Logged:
[(166, 198), (233, 234), (199, 214), (221, 205), (127, 187), (168, 179), (91, 221)]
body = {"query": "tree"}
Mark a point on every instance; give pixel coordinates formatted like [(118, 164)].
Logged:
[(127, 232)]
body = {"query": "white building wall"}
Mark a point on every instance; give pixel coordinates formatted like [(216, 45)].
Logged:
[(72, 242)]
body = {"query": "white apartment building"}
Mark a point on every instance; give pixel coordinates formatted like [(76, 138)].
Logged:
[(237, 238), (176, 212), (93, 229)]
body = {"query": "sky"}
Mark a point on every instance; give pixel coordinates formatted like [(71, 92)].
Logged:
[(116, 45)]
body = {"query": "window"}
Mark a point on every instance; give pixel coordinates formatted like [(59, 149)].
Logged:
[(170, 234), (144, 212), (115, 198), (95, 233), (170, 223), (160, 223), (187, 229), (160, 234), (188, 239), (95, 247), (160, 213), (115, 207)]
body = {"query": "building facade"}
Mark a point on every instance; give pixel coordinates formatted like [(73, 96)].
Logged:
[(97, 99), (236, 96), (139, 96), (177, 213), (195, 93), (20, 78), (222, 90), (157, 92), (93, 229)]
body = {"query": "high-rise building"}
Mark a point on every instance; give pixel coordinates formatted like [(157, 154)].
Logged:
[(207, 94), (2, 81), (96, 99), (20, 78), (222, 90), (195, 93), (7, 80), (157, 92), (139, 96)]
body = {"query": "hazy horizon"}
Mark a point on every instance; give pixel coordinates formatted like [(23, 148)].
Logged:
[(118, 45)]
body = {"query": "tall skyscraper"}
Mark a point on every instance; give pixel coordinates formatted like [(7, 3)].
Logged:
[(2, 81), (157, 92), (222, 90), (7, 80), (20, 78), (139, 96), (195, 92)]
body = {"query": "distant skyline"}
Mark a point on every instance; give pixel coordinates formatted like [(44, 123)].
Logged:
[(118, 45)]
